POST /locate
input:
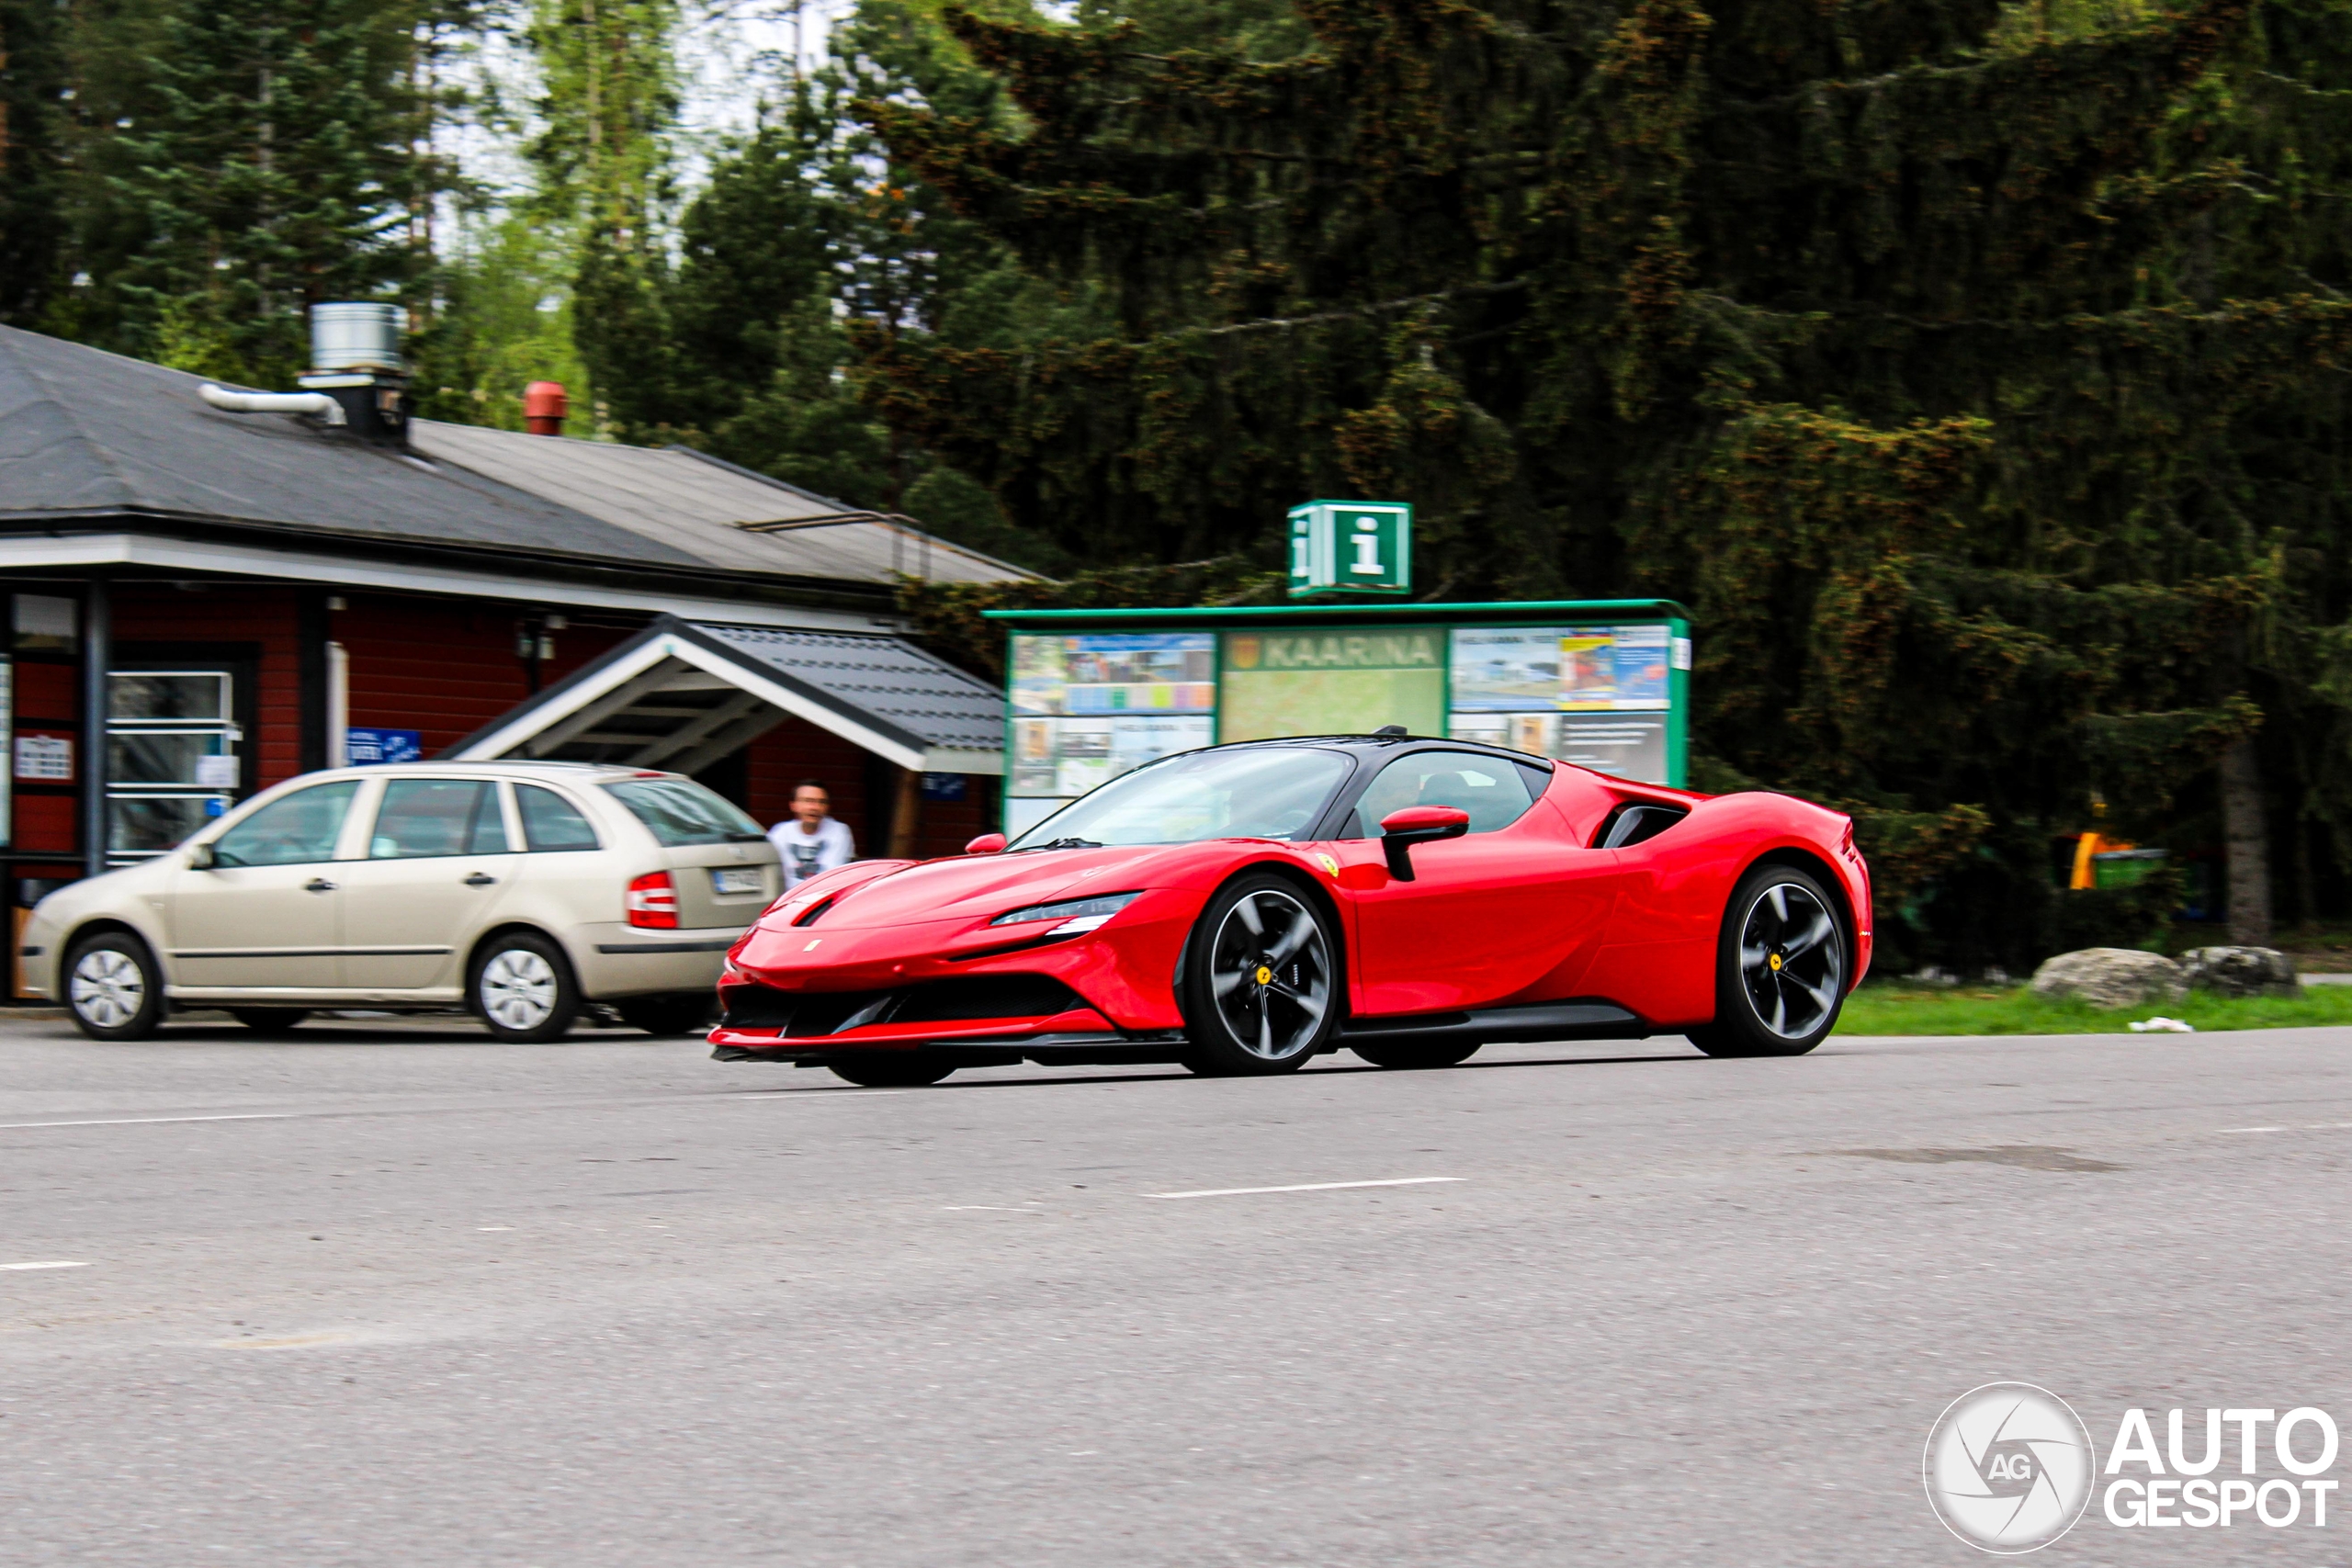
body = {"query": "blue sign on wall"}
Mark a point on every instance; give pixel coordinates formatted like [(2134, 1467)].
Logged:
[(943, 786), (364, 746)]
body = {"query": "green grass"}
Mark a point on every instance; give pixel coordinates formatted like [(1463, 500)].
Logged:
[(1966, 1010)]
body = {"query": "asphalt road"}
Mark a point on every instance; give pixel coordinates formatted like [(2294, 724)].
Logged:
[(397, 1296)]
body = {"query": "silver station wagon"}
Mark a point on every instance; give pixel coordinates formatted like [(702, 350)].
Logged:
[(520, 891)]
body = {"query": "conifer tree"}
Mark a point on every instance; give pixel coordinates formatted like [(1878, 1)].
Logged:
[(32, 80), (271, 175), (1870, 332), (607, 171)]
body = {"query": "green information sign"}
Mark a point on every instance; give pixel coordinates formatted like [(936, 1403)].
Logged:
[(1350, 546)]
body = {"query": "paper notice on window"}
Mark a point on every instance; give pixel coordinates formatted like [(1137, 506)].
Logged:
[(45, 758)]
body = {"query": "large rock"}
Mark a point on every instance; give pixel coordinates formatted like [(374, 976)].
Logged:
[(2240, 971), (2111, 977)]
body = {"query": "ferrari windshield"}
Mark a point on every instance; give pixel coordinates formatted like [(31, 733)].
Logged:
[(1245, 793)]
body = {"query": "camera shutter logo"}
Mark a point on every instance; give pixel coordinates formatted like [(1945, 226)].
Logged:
[(2008, 1468)]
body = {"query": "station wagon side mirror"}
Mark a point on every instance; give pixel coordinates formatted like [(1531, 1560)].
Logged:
[(200, 858), (1400, 830), (986, 844)]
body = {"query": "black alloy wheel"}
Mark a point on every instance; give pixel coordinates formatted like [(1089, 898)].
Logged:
[(113, 989), (891, 1069), (1780, 967), (269, 1021), (1418, 1053), (1261, 983)]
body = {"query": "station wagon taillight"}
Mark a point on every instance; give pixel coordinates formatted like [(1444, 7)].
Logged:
[(652, 901)]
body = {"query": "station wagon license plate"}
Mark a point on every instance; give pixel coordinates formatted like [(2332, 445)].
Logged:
[(736, 879)]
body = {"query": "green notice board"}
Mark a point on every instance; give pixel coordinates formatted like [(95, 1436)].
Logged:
[(1093, 694), (1308, 681)]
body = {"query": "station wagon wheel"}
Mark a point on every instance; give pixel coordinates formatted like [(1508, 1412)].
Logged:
[(1261, 983), (113, 989), (1780, 967), (522, 988)]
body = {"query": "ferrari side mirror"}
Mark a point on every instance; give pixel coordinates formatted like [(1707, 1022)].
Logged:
[(1400, 830), (986, 844)]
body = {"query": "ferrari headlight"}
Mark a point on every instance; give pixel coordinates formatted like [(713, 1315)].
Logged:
[(1077, 915)]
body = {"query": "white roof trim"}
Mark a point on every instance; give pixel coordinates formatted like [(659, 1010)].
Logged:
[(669, 647), (793, 703), (546, 715), (49, 552)]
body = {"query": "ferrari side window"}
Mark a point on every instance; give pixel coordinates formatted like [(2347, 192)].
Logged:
[(1493, 792)]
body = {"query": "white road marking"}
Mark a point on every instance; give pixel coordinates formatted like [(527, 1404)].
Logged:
[(145, 1121), (736, 1097), (1309, 1187), (2254, 1129), (22, 1266)]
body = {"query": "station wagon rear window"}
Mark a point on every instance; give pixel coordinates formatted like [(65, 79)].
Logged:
[(680, 811)]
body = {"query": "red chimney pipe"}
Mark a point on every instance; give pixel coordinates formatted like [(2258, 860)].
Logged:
[(543, 407)]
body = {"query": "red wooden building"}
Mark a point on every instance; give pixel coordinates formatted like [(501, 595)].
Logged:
[(227, 596)]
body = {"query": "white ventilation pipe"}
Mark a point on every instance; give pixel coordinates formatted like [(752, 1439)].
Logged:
[(338, 706), (317, 403)]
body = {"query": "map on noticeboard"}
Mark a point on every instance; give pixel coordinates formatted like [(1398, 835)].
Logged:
[(1089, 708), (1561, 669), (1315, 682), (1595, 696)]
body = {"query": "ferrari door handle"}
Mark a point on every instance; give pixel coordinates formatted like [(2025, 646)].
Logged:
[(318, 885), (478, 880)]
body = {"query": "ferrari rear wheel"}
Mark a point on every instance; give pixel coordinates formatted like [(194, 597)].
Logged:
[(1260, 982), (1780, 968), (1418, 1053), (891, 1069)]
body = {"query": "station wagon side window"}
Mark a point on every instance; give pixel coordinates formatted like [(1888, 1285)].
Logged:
[(294, 829), (552, 822), (423, 818)]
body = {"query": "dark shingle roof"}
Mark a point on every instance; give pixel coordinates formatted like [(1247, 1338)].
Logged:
[(84, 431), (882, 678)]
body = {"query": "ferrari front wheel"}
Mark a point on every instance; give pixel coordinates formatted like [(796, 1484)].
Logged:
[(1780, 968), (1261, 980)]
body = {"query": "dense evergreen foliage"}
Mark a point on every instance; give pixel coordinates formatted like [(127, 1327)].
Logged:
[(1966, 377), (1974, 371)]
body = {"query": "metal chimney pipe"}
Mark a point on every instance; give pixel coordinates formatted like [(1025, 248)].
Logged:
[(356, 360), (545, 408), (356, 337)]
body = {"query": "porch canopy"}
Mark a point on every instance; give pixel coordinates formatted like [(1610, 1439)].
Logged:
[(681, 695)]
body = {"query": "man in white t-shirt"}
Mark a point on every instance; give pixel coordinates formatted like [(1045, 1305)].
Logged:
[(811, 840)]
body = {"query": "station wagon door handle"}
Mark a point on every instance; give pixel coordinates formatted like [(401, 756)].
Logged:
[(478, 880), (318, 885)]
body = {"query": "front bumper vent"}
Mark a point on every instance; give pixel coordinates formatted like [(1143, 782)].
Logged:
[(806, 1014)]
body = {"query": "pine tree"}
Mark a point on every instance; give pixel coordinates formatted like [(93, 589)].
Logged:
[(1875, 333), (739, 346), (32, 79), (606, 177), (273, 174)]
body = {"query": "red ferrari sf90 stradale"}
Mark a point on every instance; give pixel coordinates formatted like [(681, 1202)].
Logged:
[(1241, 909)]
